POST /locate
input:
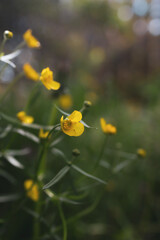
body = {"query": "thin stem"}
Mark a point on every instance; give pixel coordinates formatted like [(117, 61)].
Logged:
[(10, 86), (64, 224), (2, 45), (53, 114), (82, 213), (31, 95), (101, 152), (36, 226), (21, 45)]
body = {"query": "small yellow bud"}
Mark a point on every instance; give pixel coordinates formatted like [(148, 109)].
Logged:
[(141, 152), (7, 34), (87, 104), (75, 152)]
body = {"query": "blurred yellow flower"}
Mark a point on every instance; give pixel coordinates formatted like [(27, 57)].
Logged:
[(107, 128), (65, 101), (43, 134), (30, 40), (72, 125), (32, 190), (97, 55), (24, 118), (47, 79), (141, 152), (30, 72)]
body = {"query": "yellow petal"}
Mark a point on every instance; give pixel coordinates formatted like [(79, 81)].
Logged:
[(28, 120), (21, 115), (47, 79), (43, 134), (65, 101), (103, 124), (79, 128), (53, 85), (76, 116), (30, 72), (32, 190), (30, 40), (76, 130)]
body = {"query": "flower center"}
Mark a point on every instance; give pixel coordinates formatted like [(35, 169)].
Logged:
[(67, 124)]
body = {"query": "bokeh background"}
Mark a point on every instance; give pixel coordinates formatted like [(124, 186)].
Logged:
[(108, 52)]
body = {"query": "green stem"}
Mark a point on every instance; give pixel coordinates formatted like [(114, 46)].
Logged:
[(31, 95), (39, 171), (101, 152), (10, 86), (21, 45), (53, 114), (64, 224), (82, 213), (36, 226), (2, 45)]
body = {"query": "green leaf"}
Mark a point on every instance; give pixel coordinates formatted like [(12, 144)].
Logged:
[(13, 161), (7, 176), (122, 165), (26, 134), (58, 152), (58, 177), (105, 164), (87, 174), (9, 198), (5, 131), (16, 152)]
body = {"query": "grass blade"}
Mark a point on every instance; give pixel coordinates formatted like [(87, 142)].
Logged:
[(58, 177), (87, 174)]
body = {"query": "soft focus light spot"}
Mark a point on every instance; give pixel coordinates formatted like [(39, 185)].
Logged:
[(125, 13), (154, 27), (155, 9), (7, 73), (140, 7), (140, 27)]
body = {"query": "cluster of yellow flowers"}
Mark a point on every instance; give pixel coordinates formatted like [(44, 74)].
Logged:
[(32, 190), (72, 125)]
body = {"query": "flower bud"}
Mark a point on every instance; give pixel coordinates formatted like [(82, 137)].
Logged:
[(7, 34), (75, 152), (87, 104)]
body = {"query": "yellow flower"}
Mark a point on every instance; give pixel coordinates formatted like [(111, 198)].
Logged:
[(30, 40), (30, 72), (24, 118), (141, 152), (47, 79), (32, 190), (72, 125), (107, 128), (65, 101), (43, 134)]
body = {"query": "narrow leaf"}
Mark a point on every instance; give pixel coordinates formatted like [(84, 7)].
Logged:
[(63, 199), (5, 131), (13, 161), (7, 176), (9, 198), (87, 174), (56, 141), (122, 165), (58, 152), (20, 152), (27, 134), (58, 177), (105, 164)]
